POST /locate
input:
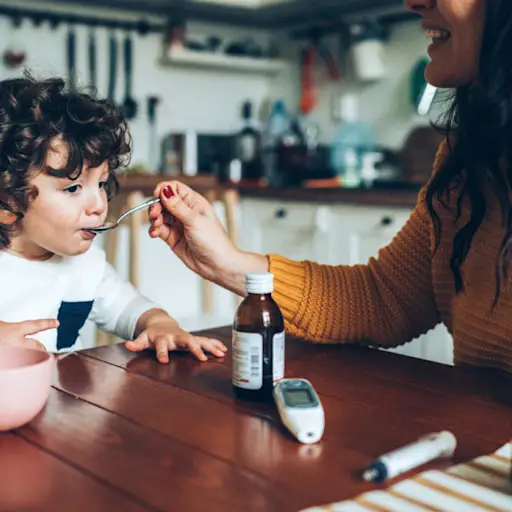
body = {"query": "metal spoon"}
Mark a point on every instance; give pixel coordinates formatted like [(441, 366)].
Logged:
[(112, 225)]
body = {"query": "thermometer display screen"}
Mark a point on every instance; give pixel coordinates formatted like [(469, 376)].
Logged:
[(298, 397)]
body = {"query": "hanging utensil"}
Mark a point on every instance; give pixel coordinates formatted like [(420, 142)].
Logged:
[(129, 104), (308, 97), (315, 49), (92, 59), (14, 55), (71, 56), (153, 156), (112, 71)]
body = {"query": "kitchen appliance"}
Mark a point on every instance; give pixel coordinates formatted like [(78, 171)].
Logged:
[(190, 152)]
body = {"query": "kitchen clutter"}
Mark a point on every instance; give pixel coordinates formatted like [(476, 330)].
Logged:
[(176, 37), (282, 134), (282, 148)]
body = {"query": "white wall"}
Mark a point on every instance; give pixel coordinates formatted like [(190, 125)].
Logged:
[(204, 100)]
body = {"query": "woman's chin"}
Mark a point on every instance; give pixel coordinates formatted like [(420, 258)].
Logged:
[(439, 76)]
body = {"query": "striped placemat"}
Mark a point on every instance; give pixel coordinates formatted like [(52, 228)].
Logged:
[(481, 485)]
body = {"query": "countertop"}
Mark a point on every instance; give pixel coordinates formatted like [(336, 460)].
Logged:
[(204, 184), (370, 197)]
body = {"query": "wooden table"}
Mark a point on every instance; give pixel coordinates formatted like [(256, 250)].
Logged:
[(122, 432)]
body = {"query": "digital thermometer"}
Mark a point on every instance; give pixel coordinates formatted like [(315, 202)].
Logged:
[(300, 409)]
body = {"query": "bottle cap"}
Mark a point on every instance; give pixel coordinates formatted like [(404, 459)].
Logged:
[(260, 282)]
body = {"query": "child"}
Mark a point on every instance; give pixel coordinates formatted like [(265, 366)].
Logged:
[(59, 150)]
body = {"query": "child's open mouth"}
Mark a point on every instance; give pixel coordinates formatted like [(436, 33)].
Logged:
[(87, 235)]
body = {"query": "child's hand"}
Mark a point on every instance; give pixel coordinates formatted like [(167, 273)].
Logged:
[(15, 333), (165, 335)]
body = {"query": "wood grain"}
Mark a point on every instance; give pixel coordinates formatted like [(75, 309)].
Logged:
[(124, 432), (31, 480), (151, 468)]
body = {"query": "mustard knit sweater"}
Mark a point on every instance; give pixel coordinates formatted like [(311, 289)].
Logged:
[(406, 291)]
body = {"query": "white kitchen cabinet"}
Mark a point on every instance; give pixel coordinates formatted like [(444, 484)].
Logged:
[(361, 231), (334, 234), (300, 231)]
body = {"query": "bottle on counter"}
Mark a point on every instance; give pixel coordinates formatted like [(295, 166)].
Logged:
[(258, 341), (248, 145), (350, 144), (277, 126)]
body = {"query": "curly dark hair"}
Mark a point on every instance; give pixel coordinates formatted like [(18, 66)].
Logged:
[(32, 114)]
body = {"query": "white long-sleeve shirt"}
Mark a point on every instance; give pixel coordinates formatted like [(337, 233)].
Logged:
[(71, 289)]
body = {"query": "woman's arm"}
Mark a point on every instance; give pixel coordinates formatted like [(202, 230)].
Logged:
[(233, 278), (389, 301)]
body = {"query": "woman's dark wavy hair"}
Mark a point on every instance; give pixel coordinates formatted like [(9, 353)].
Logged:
[(34, 112), (479, 132)]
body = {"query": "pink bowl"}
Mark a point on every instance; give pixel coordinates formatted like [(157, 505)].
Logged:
[(25, 379)]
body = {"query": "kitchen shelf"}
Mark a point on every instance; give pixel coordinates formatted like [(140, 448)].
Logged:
[(205, 60)]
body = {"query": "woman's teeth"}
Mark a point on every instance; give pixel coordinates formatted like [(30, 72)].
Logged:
[(437, 34)]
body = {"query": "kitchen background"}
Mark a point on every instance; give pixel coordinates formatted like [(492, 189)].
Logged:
[(201, 94)]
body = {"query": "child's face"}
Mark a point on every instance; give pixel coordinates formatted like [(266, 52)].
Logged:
[(58, 218)]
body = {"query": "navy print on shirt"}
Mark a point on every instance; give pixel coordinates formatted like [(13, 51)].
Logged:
[(72, 317)]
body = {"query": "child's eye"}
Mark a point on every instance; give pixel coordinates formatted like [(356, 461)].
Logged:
[(103, 184), (73, 189)]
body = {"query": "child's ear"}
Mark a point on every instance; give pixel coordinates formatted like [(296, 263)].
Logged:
[(7, 217)]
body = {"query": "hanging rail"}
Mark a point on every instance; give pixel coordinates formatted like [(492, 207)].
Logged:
[(143, 26)]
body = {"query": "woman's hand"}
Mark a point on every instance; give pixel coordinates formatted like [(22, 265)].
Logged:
[(15, 333), (185, 220)]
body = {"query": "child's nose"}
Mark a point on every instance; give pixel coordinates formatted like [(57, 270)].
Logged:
[(97, 204)]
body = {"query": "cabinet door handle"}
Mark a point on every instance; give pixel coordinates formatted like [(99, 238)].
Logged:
[(281, 213), (322, 219), (386, 221)]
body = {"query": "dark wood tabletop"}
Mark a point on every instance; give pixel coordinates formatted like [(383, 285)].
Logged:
[(122, 432)]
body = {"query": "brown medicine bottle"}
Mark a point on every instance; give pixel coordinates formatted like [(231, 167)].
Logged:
[(258, 341)]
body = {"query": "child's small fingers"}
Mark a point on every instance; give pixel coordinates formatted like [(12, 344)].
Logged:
[(194, 346), (32, 343), (140, 343), (163, 344), (220, 345), (215, 347)]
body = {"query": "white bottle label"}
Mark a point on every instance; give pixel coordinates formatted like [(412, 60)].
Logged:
[(247, 360), (278, 348)]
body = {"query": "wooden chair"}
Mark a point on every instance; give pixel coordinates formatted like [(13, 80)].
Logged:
[(133, 192)]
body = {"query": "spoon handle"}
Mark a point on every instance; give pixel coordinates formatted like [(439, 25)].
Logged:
[(139, 207)]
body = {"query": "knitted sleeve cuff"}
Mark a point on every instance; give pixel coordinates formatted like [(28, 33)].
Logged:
[(289, 284)]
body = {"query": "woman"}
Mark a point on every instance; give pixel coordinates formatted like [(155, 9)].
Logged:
[(450, 263)]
